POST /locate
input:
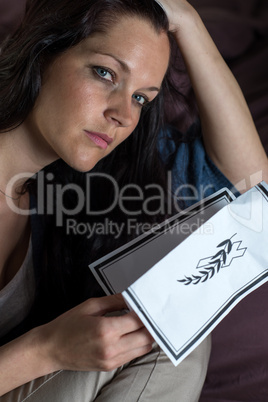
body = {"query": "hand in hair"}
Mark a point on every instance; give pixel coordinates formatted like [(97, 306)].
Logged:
[(175, 10)]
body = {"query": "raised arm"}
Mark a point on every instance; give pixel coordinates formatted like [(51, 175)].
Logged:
[(229, 133)]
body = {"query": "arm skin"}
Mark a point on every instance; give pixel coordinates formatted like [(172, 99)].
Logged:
[(80, 339), (229, 133)]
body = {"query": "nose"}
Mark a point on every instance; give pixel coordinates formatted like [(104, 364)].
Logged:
[(120, 109)]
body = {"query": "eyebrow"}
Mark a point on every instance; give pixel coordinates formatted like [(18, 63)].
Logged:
[(125, 68)]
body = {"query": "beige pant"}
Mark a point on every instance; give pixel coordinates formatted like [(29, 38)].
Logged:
[(149, 378)]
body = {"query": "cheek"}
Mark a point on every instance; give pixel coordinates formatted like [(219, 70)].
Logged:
[(128, 131), (136, 117), (80, 94)]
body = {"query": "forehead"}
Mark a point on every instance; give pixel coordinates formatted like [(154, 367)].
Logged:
[(135, 42)]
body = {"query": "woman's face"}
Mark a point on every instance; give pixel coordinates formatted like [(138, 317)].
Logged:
[(93, 94)]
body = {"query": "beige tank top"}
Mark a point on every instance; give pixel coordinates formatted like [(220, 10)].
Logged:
[(17, 297)]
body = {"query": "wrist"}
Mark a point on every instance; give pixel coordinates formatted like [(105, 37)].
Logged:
[(193, 39), (24, 359), (183, 17), (42, 349)]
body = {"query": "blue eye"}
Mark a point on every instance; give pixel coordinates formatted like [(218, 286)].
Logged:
[(104, 73), (140, 99)]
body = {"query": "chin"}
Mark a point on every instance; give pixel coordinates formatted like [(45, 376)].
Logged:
[(83, 165), (83, 161), (83, 168)]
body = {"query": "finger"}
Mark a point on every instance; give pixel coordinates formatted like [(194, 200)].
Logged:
[(103, 305), (125, 324), (135, 340)]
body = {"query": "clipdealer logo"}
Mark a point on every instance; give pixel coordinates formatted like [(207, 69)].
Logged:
[(51, 197), (134, 227)]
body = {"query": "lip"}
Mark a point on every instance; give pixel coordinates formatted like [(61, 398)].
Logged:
[(100, 139)]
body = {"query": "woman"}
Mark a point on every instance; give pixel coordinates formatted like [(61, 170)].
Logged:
[(82, 91)]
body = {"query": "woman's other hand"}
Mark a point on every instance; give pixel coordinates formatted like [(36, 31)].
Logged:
[(84, 339), (176, 11)]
